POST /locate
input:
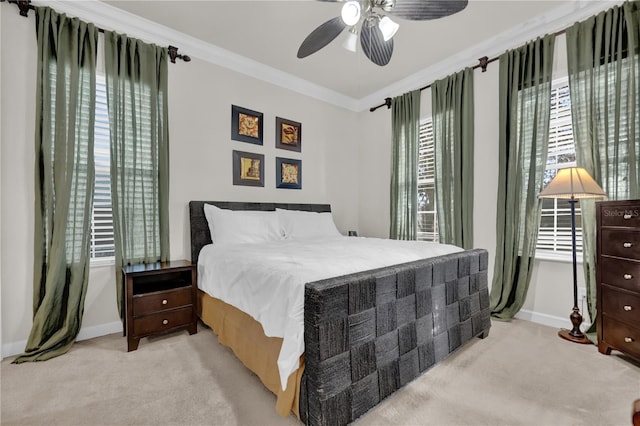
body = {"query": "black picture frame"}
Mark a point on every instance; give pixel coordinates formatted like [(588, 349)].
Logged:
[(288, 134), (284, 179), (243, 163), (246, 125)]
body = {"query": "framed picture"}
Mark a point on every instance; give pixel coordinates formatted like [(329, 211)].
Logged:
[(246, 125), (248, 168), (288, 134), (288, 173)]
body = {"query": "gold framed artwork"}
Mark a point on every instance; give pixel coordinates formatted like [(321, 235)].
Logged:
[(288, 134), (246, 125), (248, 169), (288, 173)]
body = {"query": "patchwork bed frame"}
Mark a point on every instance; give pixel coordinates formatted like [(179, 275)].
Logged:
[(370, 333)]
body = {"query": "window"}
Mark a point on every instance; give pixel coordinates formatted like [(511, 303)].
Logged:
[(427, 217), (554, 234), (102, 242)]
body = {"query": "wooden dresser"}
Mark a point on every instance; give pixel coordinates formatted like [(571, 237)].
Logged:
[(159, 297), (618, 276)]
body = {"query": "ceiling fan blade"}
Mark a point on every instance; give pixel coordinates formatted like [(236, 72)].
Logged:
[(420, 10), (321, 36), (374, 46)]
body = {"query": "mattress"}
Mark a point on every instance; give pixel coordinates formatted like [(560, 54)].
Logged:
[(266, 280)]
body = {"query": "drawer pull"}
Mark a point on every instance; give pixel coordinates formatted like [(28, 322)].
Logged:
[(627, 276), (627, 308), (628, 340), (627, 245), (165, 321), (627, 216), (164, 301)]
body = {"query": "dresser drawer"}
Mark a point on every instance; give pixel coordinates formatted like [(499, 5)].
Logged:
[(621, 305), (620, 215), (620, 273), (621, 336), (162, 321), (161, 300), (620, 242)]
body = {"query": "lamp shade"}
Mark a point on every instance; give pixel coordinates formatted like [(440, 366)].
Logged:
[(388, 28), (351, 42), (572, 182)]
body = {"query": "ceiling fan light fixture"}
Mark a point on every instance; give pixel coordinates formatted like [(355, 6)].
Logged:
[(351, 12), (351, 42), (388, 27)]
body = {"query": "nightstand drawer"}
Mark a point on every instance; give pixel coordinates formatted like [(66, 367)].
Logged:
[(621, 336), (161, 300), (620, 215), (621, 243), (620, 273), (621, 305), (162, 321)]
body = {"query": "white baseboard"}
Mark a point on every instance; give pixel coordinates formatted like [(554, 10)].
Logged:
[(549, 320), (86, 333), (16, 348)]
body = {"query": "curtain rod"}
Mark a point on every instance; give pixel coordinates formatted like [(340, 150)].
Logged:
[(483, 62), (25, 6)]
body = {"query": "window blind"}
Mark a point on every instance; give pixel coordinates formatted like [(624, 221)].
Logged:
[(102, 243), (554, 234), (427, 217)]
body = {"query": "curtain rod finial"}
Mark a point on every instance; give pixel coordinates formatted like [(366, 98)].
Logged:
[(173, 54), (484, 61)]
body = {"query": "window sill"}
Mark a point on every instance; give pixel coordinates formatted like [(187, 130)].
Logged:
[(557, 257), (102, 262)]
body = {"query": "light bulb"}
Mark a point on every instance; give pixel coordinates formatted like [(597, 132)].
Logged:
[(388, 28), (351, 12)]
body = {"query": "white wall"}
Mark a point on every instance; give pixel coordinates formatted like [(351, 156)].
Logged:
[(346, 162), (200, 99), (0, 185), (550, 296)]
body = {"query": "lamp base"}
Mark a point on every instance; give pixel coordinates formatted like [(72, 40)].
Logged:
[(566, 334)]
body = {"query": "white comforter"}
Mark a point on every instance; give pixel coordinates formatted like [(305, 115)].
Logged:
[(267, 280)]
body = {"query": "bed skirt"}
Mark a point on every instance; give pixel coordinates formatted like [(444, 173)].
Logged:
[(259, 353)]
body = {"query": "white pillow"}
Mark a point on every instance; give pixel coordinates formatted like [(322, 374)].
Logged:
[(298, 224), (242, 226)]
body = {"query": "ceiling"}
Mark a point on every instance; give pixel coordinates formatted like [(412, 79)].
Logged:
[(270, 32)]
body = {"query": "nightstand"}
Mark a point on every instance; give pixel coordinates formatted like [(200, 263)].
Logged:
[(159, 297)]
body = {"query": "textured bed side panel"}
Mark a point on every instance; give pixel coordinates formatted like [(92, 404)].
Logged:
[(370, 333), (200, 235)]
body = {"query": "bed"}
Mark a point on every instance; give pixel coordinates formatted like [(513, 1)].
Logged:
[(366, 334)]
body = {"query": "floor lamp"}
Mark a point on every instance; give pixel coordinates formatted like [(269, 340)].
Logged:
[(572, 184)]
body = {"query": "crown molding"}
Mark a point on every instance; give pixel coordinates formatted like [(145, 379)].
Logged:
[(555, 20), (112, 18)]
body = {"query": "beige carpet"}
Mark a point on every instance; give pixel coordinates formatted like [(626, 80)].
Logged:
[(521, 374)]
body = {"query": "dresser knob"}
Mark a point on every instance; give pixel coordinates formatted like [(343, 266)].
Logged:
[(627, 308), (164, 301), (165, 321), (627, 276), (627, 245), (628, 340), (627, 216)]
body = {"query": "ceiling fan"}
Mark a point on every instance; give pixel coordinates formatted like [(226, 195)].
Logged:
[(370, 20)]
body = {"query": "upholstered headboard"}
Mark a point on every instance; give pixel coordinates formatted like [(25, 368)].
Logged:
[(200, 235)]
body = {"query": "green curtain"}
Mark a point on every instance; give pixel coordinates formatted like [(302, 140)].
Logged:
[(136, 76), (405, 121), (453, 130), (524, 97), (64, 177), (604, 67)]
